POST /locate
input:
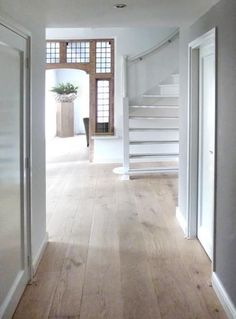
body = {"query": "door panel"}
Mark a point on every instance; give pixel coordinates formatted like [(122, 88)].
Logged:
[(206, 148), (13, 241)]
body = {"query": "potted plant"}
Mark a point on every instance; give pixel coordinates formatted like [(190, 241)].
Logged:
[(65, 94)]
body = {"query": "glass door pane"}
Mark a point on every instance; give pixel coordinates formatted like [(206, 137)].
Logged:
[(11, 214)]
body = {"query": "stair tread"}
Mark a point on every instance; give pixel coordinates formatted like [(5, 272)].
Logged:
[(139, 117), (154, 155), (153, 142), (161, 95), (154, 106), (154, 129), (157, 170), (153, 168), (169, 84)]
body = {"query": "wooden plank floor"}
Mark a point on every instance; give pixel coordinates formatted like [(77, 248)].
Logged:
[(115, 249)]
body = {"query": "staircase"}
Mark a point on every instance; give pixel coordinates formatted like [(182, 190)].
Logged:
[(151, 129), (154, 131)]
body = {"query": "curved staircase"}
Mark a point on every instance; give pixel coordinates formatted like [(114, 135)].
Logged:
[(151, 128)]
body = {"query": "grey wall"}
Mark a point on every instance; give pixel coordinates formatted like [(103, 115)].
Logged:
[(222, 16)]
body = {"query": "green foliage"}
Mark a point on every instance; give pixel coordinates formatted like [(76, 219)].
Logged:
[(66, 88)]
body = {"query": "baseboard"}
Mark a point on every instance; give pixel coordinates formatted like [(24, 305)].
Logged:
[(224, 298), (181, 220), (9, 304), (39, 255)]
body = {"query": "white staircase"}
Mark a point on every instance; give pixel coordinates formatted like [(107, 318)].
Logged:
[(154, 131), (151, 127)]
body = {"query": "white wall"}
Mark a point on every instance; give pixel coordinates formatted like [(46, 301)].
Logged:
[(81, 104), (50, 105), (144, 76), (128, 41)]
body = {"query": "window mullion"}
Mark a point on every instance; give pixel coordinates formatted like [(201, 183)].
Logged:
[(63, 47)]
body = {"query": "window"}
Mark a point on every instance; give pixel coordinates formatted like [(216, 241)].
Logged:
[(103, 106), (53, 52), (78, 52), (96, 57), (103, 57)]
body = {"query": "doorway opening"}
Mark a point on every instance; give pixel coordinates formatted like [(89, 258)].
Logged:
[(62, 150), (96, 57), (80, 112), (201, 141)]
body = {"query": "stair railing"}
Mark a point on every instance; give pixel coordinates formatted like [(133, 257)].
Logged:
[(173, 36)]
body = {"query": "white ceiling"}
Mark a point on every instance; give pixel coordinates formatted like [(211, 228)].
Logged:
[(101, 13)]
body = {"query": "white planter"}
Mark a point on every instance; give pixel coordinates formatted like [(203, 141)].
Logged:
[(65, 98)]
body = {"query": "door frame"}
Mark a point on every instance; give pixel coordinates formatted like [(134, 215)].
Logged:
[(14, 295), (193, 134)]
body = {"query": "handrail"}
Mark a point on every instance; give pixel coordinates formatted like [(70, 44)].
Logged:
[(157, 47)]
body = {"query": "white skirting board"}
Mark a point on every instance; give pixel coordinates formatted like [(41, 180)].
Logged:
[(225, 300), (39, 255), (7, 308), (181, 220)]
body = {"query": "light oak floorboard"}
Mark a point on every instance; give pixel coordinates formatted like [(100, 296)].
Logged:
[(115, 249)]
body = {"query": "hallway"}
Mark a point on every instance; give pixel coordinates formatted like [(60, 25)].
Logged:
[(115, 249)]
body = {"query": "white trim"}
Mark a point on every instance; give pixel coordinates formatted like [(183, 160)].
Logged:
[(181, 220), (7, 308), (10, 24), (39, 254), (192, 152), (223, 296), (209, 36)]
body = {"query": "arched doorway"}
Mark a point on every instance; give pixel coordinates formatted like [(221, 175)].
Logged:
[(81, 104)]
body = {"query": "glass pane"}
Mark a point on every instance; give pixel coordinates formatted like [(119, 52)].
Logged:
[(10, 179), (53, 52), (78, 52), (103, 57), (103, 106)]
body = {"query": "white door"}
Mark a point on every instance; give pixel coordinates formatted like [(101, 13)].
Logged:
[(206, 148), (14, 272)]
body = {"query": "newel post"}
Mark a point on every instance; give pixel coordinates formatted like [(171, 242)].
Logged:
[(125, 116)]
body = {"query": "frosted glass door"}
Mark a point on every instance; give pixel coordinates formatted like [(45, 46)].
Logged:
[(12, 213)]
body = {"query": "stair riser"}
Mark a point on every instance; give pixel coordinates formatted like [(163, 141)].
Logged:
[(153, 164), (154, 101), (157, 123), (166, 95), (175, 78), (149, 149), (154, 136), (154, 112), (139, 161), (169, 90)]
